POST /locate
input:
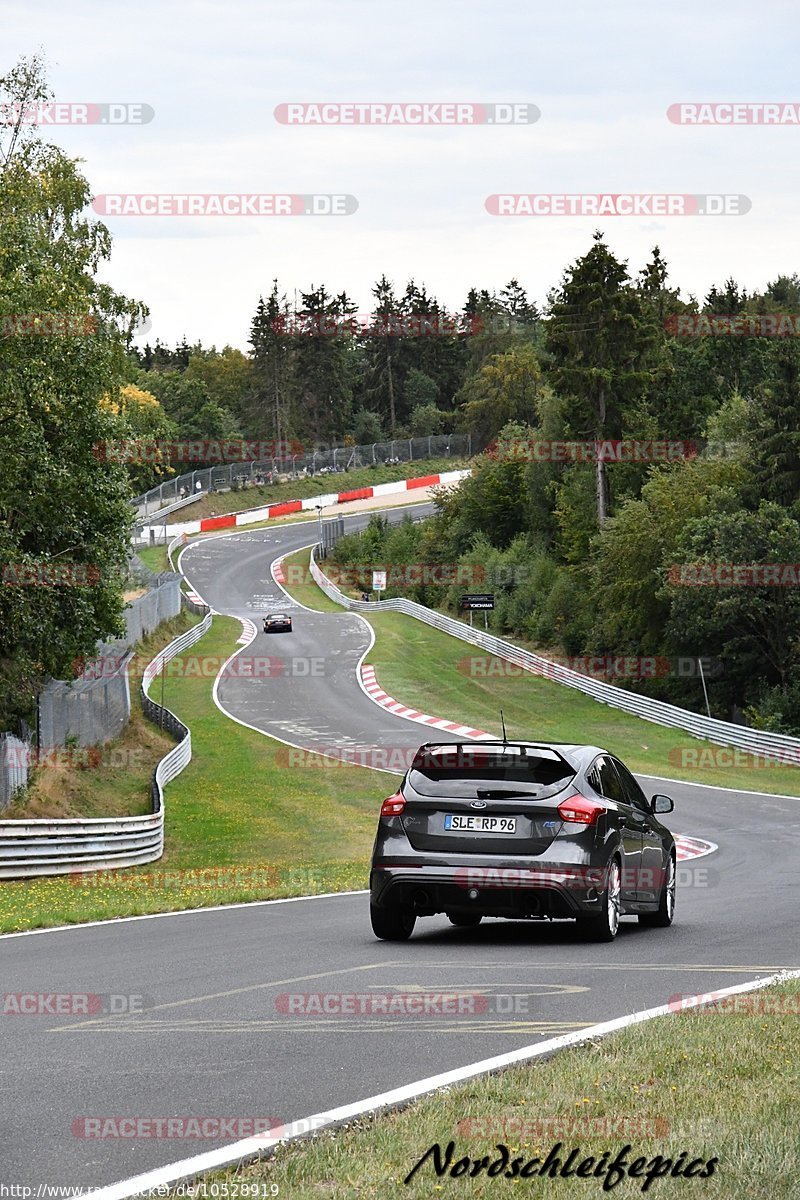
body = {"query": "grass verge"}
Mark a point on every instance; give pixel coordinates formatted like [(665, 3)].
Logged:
[(154, 557), (718, 1083), (112, 780), (242, 822), (301, 587), (470, 686)]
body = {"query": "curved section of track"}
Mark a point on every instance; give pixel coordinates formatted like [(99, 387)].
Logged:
[(324, 709), (219, 1035)]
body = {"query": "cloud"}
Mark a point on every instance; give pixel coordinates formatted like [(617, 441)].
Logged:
[(602, 75)]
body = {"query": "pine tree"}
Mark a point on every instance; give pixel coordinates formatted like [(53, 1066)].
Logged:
[(324, 364), (776, 441), (380, 350), (271, 338), (600, 342)]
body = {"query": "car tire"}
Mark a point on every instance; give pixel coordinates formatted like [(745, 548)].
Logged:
[(664, 915), (604, 926), (465, 920), (393, 923)]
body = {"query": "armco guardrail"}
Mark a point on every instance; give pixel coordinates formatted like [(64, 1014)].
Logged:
[(337, 460), (724, 733), (267, 512), (159, 516), (73, 845)]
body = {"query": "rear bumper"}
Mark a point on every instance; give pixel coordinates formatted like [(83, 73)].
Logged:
[(547, 890)]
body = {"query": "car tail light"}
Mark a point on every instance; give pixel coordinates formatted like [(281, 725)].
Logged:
[(393, 805), (580, 811)]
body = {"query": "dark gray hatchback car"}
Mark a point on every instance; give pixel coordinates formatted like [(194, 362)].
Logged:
[(521, 830)]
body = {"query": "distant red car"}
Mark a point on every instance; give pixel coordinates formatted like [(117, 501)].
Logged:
[(278, 623)]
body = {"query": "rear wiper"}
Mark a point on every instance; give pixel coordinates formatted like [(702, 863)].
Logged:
[(498, 793)]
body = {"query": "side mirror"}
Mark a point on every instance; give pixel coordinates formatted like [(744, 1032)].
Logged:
[(662, 804)]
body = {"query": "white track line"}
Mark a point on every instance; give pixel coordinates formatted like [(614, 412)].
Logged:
[(274, 736), (260, 1147), (713, 787), (717, 787), (180, 912)]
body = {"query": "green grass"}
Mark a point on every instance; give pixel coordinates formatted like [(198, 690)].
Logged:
[(539, 709), (317, 485), (301, 586), (715, 1084), (471, 687), (155, 557), (242, 823)]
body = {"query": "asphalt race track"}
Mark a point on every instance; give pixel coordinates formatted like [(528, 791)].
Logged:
[(324, 710), (215, 1038)]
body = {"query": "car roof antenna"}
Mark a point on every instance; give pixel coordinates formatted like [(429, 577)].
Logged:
[(502, 722)]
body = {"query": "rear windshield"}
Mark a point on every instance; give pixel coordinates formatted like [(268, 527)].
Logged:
[(467, 771)]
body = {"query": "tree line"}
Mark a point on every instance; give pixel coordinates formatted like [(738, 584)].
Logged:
[(691, 551), (321, 373), (586, 549)]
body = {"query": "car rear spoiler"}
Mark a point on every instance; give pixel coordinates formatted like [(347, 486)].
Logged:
[(459, 755)]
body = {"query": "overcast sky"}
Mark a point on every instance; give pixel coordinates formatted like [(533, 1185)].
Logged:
[(602, 72)]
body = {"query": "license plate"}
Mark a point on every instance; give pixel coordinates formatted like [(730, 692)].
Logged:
[(463, 823)]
